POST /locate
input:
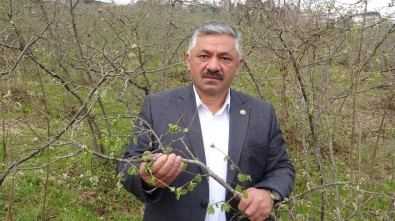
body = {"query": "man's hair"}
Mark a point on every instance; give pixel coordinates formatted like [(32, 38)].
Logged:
[(216, 28)]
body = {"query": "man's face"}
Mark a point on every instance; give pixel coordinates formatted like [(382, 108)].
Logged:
[(213, 63)]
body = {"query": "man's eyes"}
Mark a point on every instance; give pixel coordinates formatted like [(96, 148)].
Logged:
[(205, 57)]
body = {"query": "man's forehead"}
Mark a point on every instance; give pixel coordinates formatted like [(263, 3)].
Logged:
[(208, 43), (215, 37)]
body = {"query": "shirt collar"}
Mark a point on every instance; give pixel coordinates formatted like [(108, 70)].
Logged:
[(199, 102)]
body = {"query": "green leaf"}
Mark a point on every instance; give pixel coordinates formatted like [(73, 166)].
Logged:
[(183, 191), (146, 156), (174, 128), (133, 171), (198, 178), (226, 158), (191, 186), (148, 168), (245, 194), (239, 188), (151, 180), (232, 166), (225, 207), (210, 210), (180, 192), (184, 166), (168, 150), (242, 177)]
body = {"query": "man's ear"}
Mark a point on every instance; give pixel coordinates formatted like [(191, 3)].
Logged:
[(241, 62), (187, 60)]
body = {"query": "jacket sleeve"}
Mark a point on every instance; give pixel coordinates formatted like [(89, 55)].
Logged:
[(141, 140), (279, 173)]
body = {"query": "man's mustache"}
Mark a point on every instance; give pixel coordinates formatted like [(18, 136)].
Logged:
[(216, 75)]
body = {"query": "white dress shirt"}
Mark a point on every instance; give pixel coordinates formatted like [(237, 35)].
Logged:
[(215, 132)]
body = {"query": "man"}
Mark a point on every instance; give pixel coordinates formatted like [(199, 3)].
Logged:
[(220, 122)]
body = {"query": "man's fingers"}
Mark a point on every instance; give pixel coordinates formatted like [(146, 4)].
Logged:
[(160, 160), (244, 203), (169, 169), (181, 166), (257, 206), (175, 170), (251, 211), (165, 169)]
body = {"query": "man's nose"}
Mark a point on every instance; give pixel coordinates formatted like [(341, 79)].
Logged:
[(213, 65)]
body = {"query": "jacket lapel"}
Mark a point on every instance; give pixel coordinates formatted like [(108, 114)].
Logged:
[(186, 105), (239, 116)]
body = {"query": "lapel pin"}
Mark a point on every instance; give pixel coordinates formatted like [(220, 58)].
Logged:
[(242, 112)]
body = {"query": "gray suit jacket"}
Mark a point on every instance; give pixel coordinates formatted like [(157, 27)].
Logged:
[(256, 146)]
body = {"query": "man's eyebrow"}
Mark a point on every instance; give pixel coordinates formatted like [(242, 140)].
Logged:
[(210, 52), (225, 53), (205, 51)]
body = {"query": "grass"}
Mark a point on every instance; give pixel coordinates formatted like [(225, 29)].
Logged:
[(70, 196), (78, 188)]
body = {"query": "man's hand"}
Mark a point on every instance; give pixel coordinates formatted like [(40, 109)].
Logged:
[(258, 205), (165, 169)]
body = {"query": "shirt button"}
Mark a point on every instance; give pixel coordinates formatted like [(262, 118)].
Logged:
[(204, 204)]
